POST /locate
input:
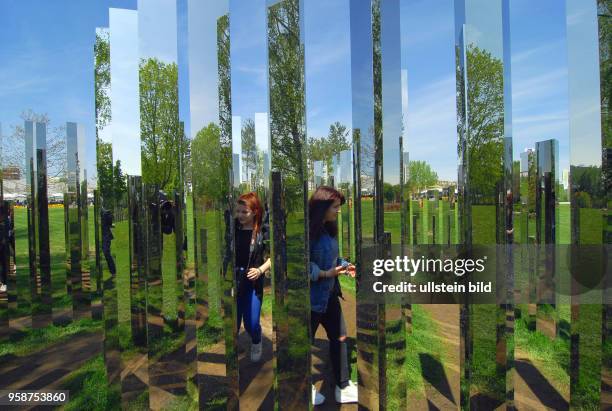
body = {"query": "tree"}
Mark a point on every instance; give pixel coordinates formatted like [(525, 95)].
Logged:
[(162, 140), (420, 176), (102, 79), (287, 103), (13, 150), (208, 178), (249, 148), (324, 149), (480, 125), (485, 136)]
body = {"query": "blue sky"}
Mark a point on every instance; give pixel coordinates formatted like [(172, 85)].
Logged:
[(50, 65)]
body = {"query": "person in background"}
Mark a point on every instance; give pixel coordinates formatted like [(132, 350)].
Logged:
[(251, 262), (325, 293)]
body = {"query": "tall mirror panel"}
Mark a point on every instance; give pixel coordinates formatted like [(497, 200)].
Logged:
[(288, 195), (211, 154), (330, 180), (429, 161), (156, 204), (483, 137), (251, 219), (588, 201)]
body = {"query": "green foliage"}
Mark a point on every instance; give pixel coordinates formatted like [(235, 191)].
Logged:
[(287, 102), (484, 129), (323, 149), (209, 161), (163, 142), (102, 77), (420, 176)]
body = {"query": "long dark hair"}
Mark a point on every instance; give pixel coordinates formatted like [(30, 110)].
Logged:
[(319, 203), (251, 200)]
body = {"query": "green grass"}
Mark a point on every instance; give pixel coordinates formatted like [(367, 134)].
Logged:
[(424, 339), (33, 339), (88, 388)]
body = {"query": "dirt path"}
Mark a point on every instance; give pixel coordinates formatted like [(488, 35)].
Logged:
[(48, 368)]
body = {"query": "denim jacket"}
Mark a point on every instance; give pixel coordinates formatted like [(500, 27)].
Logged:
[(323, 256)]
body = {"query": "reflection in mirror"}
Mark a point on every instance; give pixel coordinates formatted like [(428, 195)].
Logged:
[(38, 222), (388, 116), (211, 152), (104, 209), (288, 193), (587, 196), (251, 173), (118, 225), (366, 214), (329, 162), (540, 98), (75, 206), (483, 129), (429, 159), (604, 13), (156, 207)]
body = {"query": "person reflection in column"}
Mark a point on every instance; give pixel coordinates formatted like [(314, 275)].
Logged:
[(251, 235), (325, 267), (107, 238)]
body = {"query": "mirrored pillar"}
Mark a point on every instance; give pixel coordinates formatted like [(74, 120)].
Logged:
[(546, 226), (366, 85), (604, 13), (288, 195), (38, 223), (75, 207), (483, 130), (157, 285), (587, 200), (389, 119)]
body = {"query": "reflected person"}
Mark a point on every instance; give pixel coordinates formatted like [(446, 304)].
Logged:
[(325, 293), (251, 235), (107, 238)]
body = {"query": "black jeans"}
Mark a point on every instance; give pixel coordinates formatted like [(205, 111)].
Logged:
[(333, 322)]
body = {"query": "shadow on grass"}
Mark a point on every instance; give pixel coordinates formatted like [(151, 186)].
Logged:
[(433, 372), (546, 393)]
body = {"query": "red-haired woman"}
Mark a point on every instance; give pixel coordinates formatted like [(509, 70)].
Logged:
[(251, 263), (325, 267)]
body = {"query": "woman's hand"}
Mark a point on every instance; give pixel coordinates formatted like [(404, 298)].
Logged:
[(254, 273), (335, 272)]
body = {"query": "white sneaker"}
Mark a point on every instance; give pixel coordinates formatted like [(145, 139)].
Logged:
[(346, 394), (317, 397), (255, 352), (2, 288)]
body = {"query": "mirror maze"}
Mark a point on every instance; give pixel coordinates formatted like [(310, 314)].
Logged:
[(122, 236)]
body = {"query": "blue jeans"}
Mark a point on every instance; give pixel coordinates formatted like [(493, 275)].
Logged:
[(249, 308)]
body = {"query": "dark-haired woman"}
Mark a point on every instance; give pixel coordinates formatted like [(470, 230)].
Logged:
[(325, 267), (251, 263)]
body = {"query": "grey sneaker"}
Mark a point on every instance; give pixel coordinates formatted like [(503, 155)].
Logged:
[(2, 288)]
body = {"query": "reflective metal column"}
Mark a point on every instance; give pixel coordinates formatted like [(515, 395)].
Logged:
[(588, 201), (38, 223), (367, 152), (289, 193)]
